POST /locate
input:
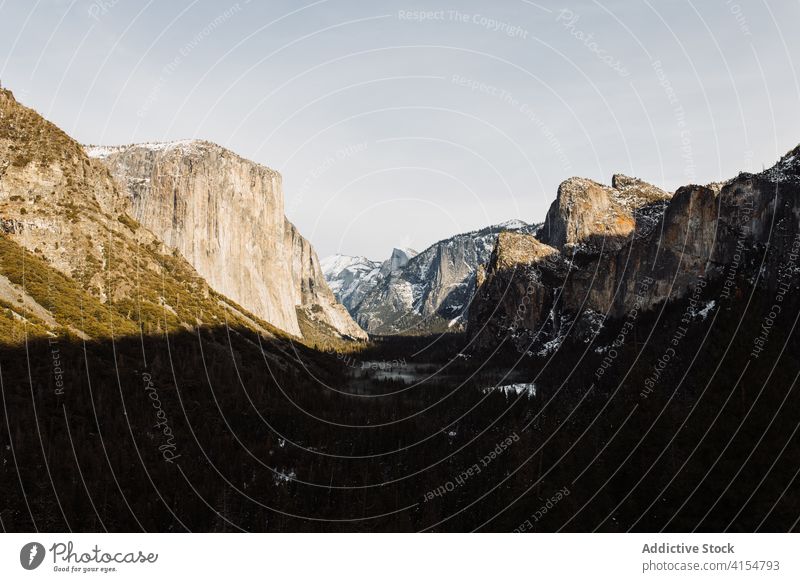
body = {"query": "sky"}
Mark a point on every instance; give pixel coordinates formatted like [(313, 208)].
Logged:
[(397, 124)]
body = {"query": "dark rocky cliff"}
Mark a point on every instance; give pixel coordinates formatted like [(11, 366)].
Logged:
[(612, 250)]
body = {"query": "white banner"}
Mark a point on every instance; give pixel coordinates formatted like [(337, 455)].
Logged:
[(400, 557)]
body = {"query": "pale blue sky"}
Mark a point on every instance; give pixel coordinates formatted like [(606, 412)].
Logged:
[(394, 130)]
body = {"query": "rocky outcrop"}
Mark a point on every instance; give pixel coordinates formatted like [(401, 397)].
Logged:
[(311, 292), (225, 215), (520, 266), (49, 191), (589, 217), (417, 293), (397, 261), (630, 247)]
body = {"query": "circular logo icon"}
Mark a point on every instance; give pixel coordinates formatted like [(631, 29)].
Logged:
[(31, 555)]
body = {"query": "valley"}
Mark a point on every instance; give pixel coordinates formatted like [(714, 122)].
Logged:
[(175, 357)]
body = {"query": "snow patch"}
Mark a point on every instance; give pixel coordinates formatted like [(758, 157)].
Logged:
[(284, 476), (528, 389), (186, 146), (707, 309), (456, 321)]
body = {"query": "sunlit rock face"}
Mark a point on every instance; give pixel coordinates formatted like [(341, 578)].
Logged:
[(310, 291), (75, 261), (631, 246), (590, 217), (225, 215)]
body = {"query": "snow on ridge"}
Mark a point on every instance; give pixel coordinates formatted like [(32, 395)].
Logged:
[(335, 264), (163, 146), (101, 152), (481, 236), (787, 169), (513, 224), (186, 145)]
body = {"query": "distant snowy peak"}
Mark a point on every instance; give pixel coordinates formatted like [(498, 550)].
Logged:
[(398, 260), (404, 252), (350, 278), (335, 264), (425, 291)]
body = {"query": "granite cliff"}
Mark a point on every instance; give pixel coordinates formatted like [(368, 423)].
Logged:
[(225, 215), (610, 252), (74, 261)]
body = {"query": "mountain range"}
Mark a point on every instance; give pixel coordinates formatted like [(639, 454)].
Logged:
[(165, 236), (173, 359), (603, 253), (176, 235), (609, 253), (416, 293)]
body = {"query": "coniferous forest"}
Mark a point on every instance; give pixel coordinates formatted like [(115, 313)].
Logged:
[(216, 430)]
